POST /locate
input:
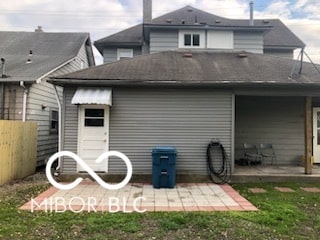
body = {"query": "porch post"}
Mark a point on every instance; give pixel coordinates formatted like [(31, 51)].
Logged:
[(308, 136)]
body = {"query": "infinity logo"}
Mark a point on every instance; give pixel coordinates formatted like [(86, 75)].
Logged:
[(89, 170)]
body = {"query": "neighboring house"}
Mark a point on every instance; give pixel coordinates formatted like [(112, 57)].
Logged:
[(191, 28), (28, 59), (184, 99)]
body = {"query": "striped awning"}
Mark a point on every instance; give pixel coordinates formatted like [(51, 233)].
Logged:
[(101, 96)]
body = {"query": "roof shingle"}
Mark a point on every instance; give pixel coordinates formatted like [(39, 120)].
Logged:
[(48, 51), (196, 68), (279, 35)]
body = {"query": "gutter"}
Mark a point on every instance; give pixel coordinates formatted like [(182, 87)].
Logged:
[(59, 125), (24, 104)]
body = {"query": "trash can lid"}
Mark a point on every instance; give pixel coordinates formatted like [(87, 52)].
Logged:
[(164, 149)]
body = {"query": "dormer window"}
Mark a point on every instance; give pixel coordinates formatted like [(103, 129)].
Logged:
[(191, 39)]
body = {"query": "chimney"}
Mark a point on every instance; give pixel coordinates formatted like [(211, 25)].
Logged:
[(39, 29), (147, 11), (251, 23)]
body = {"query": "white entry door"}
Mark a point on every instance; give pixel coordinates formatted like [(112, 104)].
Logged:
[(93, 139), (316, 135)]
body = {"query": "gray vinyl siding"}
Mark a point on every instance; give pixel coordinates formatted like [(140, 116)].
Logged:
[(83, 55), (141, 119), (250, 42), (43, 94), (279, 52), (41, 101), (185, 119), (275, 120), (110, 53), (69, 130), (163, 41)]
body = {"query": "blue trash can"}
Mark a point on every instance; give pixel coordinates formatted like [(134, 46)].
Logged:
[(164, 167)]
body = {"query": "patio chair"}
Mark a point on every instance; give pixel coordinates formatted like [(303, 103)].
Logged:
[(251, 153), (267, 151)]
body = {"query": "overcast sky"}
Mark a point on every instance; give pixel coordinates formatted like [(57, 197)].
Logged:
[(103, 17)]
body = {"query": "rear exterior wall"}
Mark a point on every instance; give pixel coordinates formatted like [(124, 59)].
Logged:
[(141, 119)]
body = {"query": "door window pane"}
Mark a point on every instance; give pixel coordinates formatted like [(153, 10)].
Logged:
[(94, 118)]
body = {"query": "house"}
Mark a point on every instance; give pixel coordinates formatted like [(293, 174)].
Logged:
[(191, 28), (28, 60), (185, 99)]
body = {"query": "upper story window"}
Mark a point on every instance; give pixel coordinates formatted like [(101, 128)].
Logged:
[(191, 39), (124, 53)]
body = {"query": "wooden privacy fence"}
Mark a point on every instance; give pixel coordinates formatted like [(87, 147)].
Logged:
[(18, 150)]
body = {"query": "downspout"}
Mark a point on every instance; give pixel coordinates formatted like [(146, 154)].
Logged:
[(2, 100), (24, 104), (3, 75), (301, 61), (59, 125)]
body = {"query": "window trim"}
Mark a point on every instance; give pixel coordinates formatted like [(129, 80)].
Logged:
[(192, 33)]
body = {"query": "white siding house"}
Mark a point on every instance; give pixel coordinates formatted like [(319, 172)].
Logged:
[(30, 59)]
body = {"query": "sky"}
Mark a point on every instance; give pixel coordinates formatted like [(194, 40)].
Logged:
[(104, 17)]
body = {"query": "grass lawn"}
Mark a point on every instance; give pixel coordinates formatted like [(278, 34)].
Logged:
[(281, 216)]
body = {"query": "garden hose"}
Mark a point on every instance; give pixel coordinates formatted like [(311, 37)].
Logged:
[(218, 164)]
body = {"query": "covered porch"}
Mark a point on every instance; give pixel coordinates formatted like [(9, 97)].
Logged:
[(288, 121)]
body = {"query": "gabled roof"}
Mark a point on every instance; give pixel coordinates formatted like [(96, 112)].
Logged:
[(279, 35), (180, 68), (47, 51)]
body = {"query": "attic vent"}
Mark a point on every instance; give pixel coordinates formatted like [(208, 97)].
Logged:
[(30, 53), (217, 21), (243, 55), (28, 61), (266, 21), (169, 20), (190, 10), (187, 55), (183, 21)]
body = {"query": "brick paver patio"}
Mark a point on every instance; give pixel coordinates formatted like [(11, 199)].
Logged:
[(141, 197)]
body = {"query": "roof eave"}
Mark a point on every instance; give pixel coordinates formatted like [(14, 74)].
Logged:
[(209, 27), (176, 83)]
